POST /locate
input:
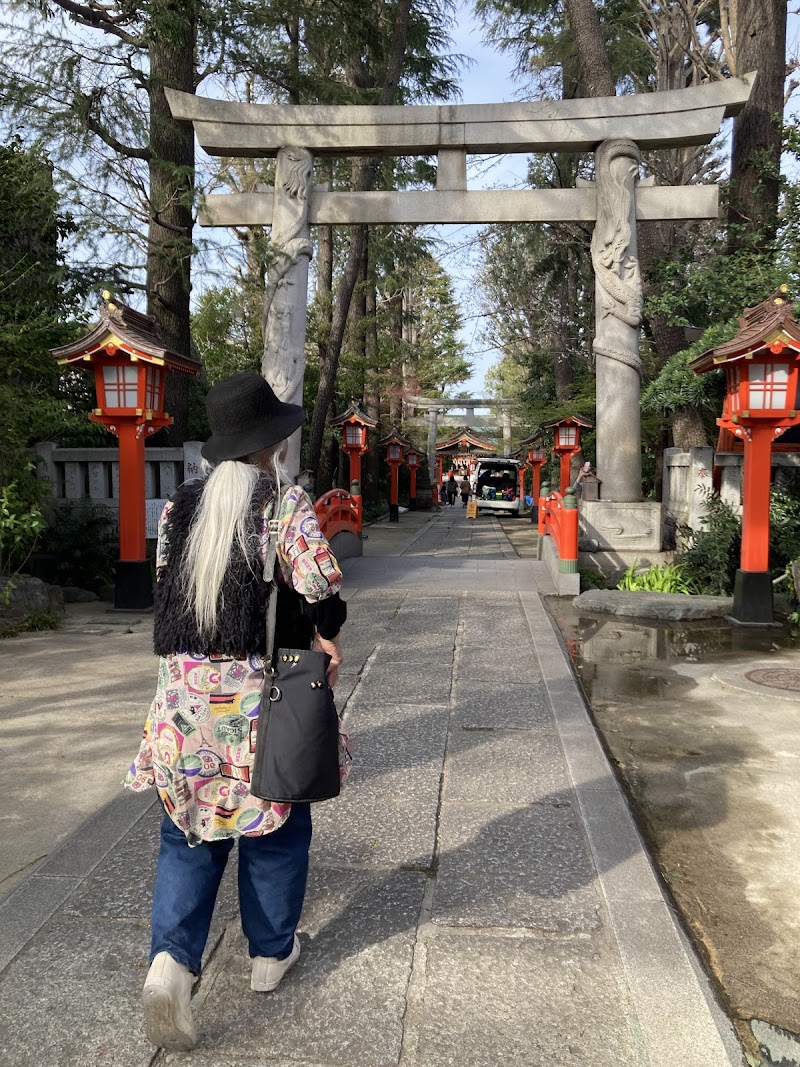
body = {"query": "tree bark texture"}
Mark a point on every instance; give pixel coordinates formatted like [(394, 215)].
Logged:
[(688, 430), (760, 45), (365, 177), (171, 47), (596, 78)]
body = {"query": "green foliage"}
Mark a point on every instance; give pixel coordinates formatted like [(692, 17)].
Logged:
[(226, 329), (42, 620), (668, 578), (710, 556), (592, 579), (81, 547), (21, 523), (677, 386), (784, 526)]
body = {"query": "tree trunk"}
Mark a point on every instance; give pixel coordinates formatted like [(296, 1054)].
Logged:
[(757, 132), (365, 176), (595, 69), (171, 166), (688, 430), (563, 370), (372, 399)]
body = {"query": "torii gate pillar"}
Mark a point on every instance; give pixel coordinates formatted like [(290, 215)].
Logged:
[(618, 310)]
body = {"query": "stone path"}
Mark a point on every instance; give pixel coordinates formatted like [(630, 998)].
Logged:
[(479, 894)]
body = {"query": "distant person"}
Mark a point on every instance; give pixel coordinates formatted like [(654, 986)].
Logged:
[(443, 493), (452, 491), (466, 490), (586, 470)]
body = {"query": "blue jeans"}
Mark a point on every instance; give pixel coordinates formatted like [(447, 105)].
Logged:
[(272, 884)]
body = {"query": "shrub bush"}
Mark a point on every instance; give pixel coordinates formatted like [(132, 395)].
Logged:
[(82, 547)]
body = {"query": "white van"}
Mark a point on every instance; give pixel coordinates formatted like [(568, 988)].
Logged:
[(497, 487)]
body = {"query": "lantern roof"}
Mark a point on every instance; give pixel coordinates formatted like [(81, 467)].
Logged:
[(355, 414), (531, 442), (567, 420), (770, 323), (129, 332), (416, 451), (394, 437), (464, 437)]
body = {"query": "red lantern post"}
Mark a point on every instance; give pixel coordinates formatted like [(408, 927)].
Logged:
[(395, 445), (761, 369), (130, 366), (354, 423), (414, 459), (566, 443)]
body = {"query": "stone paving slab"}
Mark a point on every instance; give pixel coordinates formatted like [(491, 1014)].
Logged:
[(503, 766), (72, 997), (516, 867), (344, 1000), (407, 683), (383, 821), (494, 1000), (496, 705)]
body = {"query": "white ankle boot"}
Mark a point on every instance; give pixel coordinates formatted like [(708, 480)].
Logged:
[(268, 972), (167, 997)]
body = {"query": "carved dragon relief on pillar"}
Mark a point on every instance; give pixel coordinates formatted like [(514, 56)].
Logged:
[(286, 285), (616, 265)]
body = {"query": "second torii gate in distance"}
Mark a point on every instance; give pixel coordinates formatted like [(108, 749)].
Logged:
[(614, 128)]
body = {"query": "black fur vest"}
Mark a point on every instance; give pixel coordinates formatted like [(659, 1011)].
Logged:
[(241, 611)]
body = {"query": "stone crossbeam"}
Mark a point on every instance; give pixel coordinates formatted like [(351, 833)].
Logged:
[(479, 206), (672, 119)]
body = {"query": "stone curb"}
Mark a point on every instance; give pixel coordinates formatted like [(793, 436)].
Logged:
[(674, 1004)]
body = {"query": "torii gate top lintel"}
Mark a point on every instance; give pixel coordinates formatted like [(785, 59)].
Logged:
[(676, 118)]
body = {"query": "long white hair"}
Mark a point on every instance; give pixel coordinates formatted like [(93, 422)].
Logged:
[(222, 517)]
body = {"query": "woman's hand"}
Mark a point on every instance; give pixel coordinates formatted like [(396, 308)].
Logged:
[(334, 650)]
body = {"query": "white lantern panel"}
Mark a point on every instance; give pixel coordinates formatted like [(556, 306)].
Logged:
[(352, 435), (394, 451), (768, 386), (120, 384), (567, 436)]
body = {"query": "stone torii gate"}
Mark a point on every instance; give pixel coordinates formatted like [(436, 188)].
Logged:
[(614, 128), (439, 406)]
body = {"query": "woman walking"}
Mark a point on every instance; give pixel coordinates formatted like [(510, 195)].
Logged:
[(199, 738), (452, 491)]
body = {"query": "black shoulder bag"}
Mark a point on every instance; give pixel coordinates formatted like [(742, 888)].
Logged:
[(297, 737)]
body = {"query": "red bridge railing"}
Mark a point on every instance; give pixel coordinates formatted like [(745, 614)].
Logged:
[(558, 518), (339, 510)]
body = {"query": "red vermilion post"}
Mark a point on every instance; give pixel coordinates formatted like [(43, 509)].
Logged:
[(566, 458), (393, 490), (132, 547), (413, 486), (755, 498), (355, 465), (537, 475)]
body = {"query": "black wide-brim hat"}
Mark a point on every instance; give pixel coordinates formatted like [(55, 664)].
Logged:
[(245, 416)]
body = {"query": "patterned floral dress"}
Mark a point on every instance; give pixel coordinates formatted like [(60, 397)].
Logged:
[(200, 735)]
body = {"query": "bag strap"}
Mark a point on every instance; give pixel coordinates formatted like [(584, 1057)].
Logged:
[(270, 559)]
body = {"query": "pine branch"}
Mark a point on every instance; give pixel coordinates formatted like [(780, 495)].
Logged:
[(99, 130), (98, 18)]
